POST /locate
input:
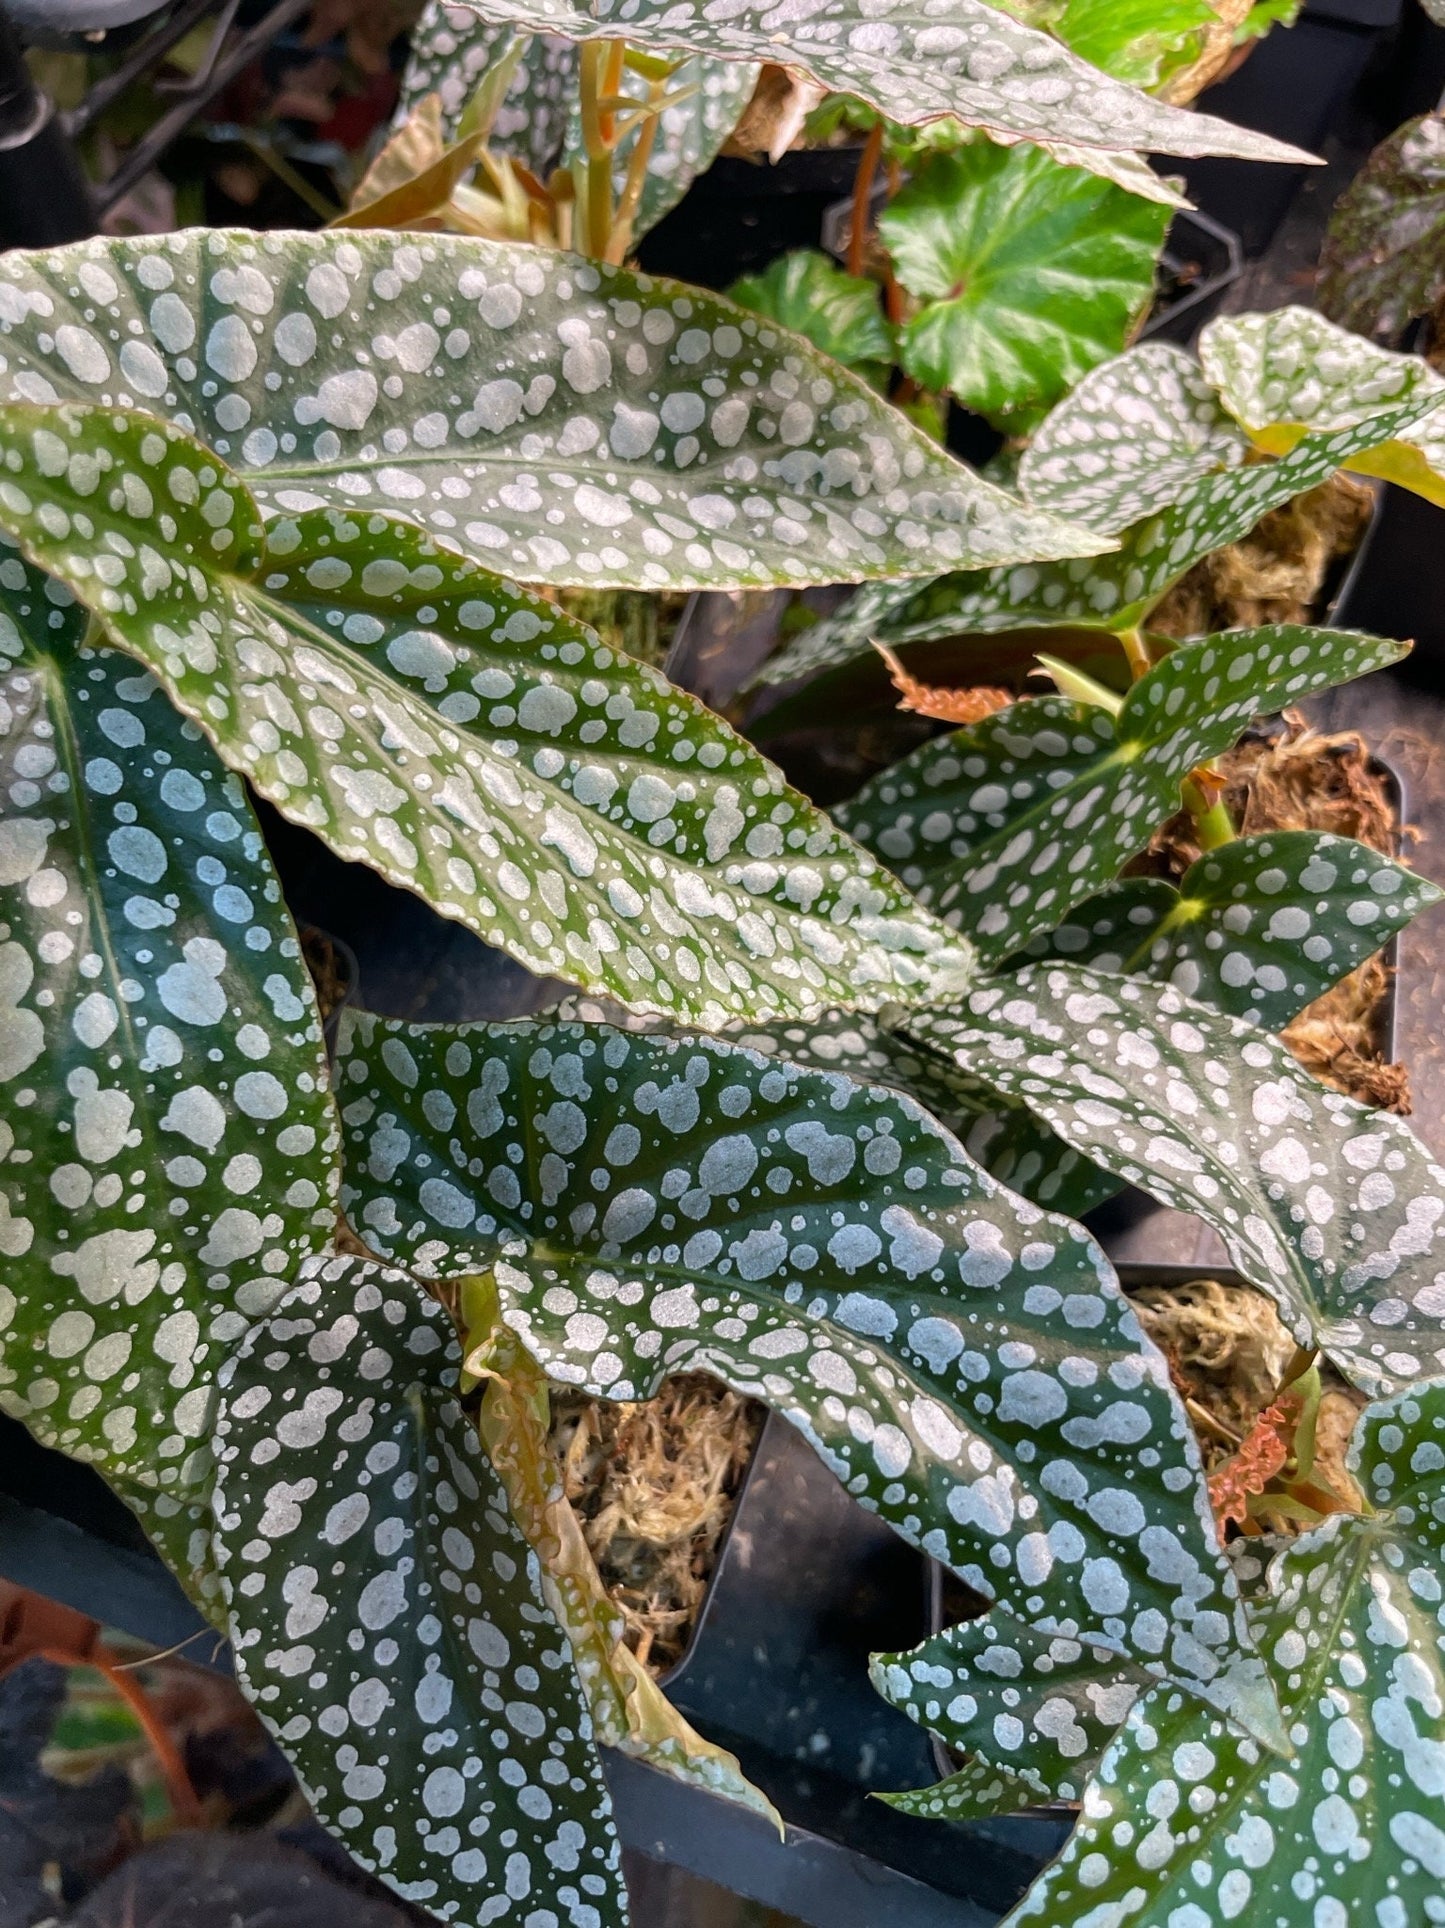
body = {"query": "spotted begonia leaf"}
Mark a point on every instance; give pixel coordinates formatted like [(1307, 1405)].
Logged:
[(1111, 592), (464, 738), (1030, 273), (1259, 928), (1291, 371), (1397, 1453), (387, 1616), (1006, 1139), (538, 122), (984, 825), (1383, 262), (1335, 1210), (565, 422), (167, 1144), (1030, 1706), (964, 1361), (1131, 439), (1187, 1825), (915, 61)]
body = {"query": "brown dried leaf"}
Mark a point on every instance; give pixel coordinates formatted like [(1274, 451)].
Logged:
[(945, 706)]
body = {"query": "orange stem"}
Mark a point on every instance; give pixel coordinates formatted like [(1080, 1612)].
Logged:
[(173, 1768)]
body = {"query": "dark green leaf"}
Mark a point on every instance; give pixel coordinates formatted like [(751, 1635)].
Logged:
[(964, 1361), (464, 738), (1398, 1455), (1383, 263), (542, 413), (1036, 1708), (1188, 1826), (810, 294), (1335, 1210), (1006, 1139), (985, 825), (1031, 275), (387, 1616), (1258, 929), (975, 64), (1108, 592), (167, 1143), (1130, 440)]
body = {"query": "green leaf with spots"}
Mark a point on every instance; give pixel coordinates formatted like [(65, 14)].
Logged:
[(1006, 1139), (1110, 592), (1032, 1712), (964, 1361), (1383, 262), (564, 422), (913, 64), (839, 313), (168, 1148), (1030, 275), (1336, 1211), (389, 1620), (538, 122), (464, 738), (1186, 1825), (1258, 929), (1131, 439), (987, 825), (1291, 372), (1397, 1453)]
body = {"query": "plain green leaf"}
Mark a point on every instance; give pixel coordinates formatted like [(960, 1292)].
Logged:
[(388, 1618), (542, 413), (839, 313), (167, 1144), (1110, 592), (464, 738), (962, 1360), (1030, 273), (1141, 41), (1258, 929), (1003, 827), (1027, 1705), (1383, 263), (1131, 439), (913, 64), (1186, 1825), (1335, 1210)]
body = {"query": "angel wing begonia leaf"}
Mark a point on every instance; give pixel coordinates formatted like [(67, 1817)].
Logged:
[(962, 1360)]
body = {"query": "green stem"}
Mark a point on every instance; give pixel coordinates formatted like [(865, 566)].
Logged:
[(1213, 824)]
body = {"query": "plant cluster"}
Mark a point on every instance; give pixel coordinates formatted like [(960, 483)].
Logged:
[(265, 502)]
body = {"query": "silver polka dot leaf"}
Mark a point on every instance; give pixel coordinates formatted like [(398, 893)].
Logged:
[(451, 49), (1258, 929), (984, 824), (167, 1141), (1112, 592), (464, 738), (1397, 1454), (388, 1618), (560, 421), (1006, 1139), (1188, 1825), (1130, 439), (915, 61), (1289, 371), (1033, 1713), (963, 1361), (1335, 1210)]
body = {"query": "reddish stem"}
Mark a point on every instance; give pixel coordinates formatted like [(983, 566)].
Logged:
[(862, 195)]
